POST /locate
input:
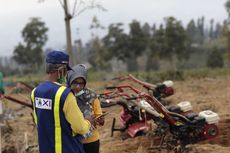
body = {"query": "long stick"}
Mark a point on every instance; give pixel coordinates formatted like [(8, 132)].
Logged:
[(25, 103)]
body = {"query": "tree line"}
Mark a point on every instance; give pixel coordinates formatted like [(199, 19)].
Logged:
[(169, 42), (143, 44)]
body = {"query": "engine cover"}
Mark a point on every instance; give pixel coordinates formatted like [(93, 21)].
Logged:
[(210, 131)]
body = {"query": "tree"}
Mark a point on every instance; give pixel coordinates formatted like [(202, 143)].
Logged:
[(200, 30), (156, 44), (116, 41), (176, 40), (126, 47), (227, 6), (227, 29), (79, 6), (170, 43), (218, 30), (8, 66), (137, 42), (147, 30), (29, 53), (191, 31), (98, 53), (211, 31), (215, 59), (151, 62), (158, 40)]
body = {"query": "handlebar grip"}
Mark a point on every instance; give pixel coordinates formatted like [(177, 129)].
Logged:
[(110, 88), (116, 78), (131, 98)]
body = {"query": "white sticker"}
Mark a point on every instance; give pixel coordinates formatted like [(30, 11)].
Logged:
[(43, 103)]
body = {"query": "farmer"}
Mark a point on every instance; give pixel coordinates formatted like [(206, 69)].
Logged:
[(89, 104), (56, 113)]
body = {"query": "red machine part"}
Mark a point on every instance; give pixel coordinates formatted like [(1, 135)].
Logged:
[(210, 131), (132, 78), (138, 127), (151, 100), (168, 91), (124, 117)]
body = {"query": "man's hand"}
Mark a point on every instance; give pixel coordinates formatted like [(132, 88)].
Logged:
[(101, 119), (92, 120)]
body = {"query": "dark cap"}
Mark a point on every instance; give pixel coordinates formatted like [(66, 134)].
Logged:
[(58, 57)]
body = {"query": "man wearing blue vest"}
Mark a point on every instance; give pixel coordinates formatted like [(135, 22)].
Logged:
[(56, 113)]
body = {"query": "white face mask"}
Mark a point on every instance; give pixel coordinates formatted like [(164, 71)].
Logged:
[(79, 93)]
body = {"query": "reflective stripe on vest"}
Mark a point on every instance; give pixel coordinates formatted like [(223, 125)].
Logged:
[(58, 143), (32, 98)]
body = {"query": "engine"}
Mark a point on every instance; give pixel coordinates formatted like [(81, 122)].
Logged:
[(197, 127)]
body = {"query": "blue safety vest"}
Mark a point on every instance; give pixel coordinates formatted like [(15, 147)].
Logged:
[(54, 132)]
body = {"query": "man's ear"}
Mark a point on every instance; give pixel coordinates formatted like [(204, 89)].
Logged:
[(61, 67)]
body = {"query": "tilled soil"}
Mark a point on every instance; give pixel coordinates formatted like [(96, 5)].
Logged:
[(19, 134)]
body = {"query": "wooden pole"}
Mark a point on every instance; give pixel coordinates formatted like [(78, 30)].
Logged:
[(68, 17)]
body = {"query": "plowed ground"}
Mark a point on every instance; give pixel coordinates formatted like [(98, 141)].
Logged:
[(209, 93)]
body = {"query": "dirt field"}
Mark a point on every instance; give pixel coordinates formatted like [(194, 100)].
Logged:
[(208, 93)]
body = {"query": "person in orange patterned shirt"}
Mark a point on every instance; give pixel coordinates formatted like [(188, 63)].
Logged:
[(88, 103)]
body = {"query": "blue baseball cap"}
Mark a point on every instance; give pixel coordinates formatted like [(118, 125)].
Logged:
[(58, 57)]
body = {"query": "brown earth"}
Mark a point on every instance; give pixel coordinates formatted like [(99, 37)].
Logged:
[(207, 93)]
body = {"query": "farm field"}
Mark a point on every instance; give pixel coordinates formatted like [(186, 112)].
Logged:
[(206, 93)]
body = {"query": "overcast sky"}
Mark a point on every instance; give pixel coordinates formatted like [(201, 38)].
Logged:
[(14, 14)]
